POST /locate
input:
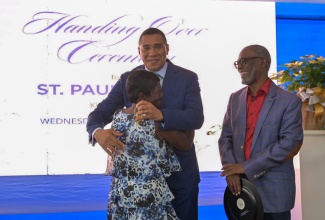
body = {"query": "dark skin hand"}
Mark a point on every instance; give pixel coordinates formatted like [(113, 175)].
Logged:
[(232, 173), (106, 138), (147, 110)]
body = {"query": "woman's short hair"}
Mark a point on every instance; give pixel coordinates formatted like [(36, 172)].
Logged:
[(140, 81)]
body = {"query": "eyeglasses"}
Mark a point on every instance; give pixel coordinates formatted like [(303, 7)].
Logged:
[(156, 47), (243, 61)]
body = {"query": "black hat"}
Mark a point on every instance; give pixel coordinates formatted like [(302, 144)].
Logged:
[(246, 206)]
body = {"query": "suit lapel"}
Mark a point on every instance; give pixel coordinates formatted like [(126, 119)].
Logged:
[(269, 99), (170, 78), (242, 107), (242, 118)]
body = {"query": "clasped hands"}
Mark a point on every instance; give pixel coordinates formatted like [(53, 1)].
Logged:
[(107, 138), (232, 173), (146, 110)]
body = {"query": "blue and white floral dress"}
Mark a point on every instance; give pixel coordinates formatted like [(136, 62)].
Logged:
[(138, 188)]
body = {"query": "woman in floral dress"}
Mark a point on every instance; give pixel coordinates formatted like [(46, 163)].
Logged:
[(138, 188)]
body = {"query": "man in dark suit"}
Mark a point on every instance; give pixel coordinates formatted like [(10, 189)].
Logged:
[(182, 109), (261, 132)]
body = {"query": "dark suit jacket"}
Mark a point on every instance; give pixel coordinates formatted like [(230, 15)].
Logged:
[(182, 109), (278, 132)]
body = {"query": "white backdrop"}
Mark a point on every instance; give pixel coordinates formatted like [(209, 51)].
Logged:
[(59, 58)]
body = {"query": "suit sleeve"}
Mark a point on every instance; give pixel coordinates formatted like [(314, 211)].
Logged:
[(184, 110), (225, 141)]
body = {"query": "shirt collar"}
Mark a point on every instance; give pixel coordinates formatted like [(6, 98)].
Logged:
[(265, 88), (162, 71)]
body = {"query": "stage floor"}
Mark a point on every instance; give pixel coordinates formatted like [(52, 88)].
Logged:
[(84, 197)]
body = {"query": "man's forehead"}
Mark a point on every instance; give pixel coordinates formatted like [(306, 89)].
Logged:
[(246, 52), (152, 39)]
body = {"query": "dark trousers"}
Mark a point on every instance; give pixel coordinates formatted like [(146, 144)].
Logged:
[(185, 202), (277, 216)]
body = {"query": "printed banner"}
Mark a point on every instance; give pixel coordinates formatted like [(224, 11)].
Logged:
[(61, 58)]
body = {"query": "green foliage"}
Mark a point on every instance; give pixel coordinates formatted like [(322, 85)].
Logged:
[(308, 72)]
